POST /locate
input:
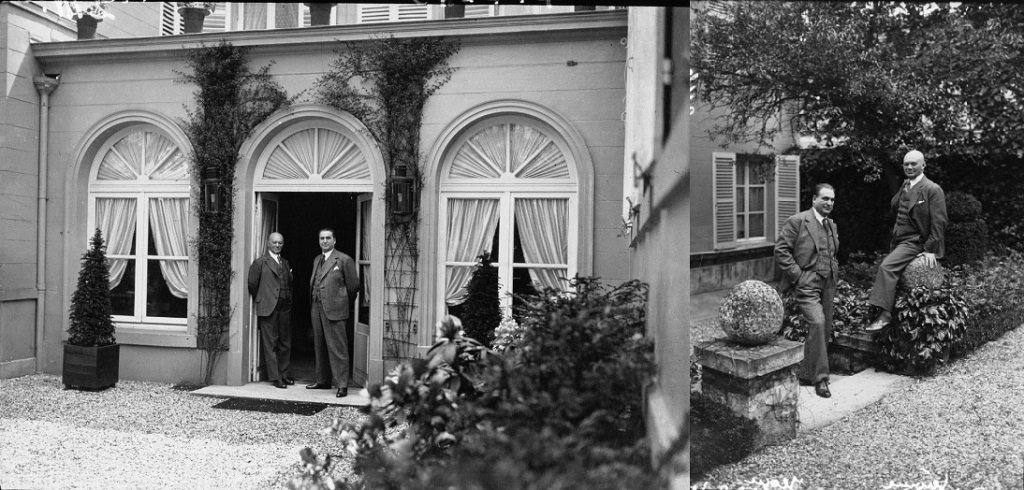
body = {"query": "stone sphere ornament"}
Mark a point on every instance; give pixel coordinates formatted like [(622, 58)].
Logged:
[(751, 313), (918, 274)]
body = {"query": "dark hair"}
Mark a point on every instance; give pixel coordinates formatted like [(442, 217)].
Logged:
[(333, 235), (819, 187)]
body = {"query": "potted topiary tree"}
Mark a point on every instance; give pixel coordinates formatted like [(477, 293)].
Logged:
[(91, 356), (480, 312)]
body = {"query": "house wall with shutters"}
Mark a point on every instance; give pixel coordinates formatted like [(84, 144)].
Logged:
[(718, 259)]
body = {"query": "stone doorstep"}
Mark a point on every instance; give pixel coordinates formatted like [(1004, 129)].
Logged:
[(748, 362), (294, 393)]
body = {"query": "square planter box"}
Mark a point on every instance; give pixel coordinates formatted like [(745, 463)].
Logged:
[(91, 368)]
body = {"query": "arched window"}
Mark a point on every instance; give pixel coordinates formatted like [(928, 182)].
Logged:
[(139, 199), (508, 187)]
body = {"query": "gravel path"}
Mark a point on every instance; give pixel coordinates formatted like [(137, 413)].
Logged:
[(963, 428), (147, 435)]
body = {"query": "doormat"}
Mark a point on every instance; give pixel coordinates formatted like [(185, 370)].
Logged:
[(271, 406)]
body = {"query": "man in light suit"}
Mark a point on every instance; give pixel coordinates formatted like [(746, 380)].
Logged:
[(270, 284), (806, 253), (332, 288), (920, 230)]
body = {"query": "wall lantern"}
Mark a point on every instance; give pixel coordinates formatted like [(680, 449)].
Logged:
[(212, 195), (402, 190)]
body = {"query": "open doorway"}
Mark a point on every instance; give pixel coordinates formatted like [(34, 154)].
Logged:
[(300, 215)]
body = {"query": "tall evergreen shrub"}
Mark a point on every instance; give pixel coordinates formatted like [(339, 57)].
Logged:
[(91, 324), (967, 233), (481, 311)]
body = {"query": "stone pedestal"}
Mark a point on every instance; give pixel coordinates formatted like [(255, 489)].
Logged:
[(852, 352), (757, 382)]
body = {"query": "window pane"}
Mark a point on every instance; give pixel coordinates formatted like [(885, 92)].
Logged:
[(255, 16), (741, 174), (159, 299), (757, 198), (757, 225), (741, 199), (122, 298), (741, 227), (522, 285)]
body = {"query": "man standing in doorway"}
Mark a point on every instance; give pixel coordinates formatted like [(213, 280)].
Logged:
[(806, 253), (920, 231), (332, 286), (270, 284)]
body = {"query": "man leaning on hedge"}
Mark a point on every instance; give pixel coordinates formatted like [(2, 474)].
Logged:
[(806, 253), (920, 208)]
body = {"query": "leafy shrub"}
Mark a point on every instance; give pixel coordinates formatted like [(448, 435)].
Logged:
[(696, 372), (565, 410), (717, 435), (928, 323), (851, 312), (962, 207), (861, 269), (993, 288), (90, 322), (480, 312)]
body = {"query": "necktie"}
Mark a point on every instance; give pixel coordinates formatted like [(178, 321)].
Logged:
[(828, 230)]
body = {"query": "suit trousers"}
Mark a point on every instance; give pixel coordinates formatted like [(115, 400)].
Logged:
[(815, 296), (331, 346), (276, 334), (883, 292)]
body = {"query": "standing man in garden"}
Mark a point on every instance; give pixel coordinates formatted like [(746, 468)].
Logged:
[(920, 209), (806, 253), (270, 284), (332, 287)]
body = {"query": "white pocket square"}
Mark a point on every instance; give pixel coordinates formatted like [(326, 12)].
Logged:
[(921, 201), (336, 268)]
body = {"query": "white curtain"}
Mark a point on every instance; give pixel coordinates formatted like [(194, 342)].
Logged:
[(542, 231), (268, 223), (254, 16), (168, 223), (471, 225), (115, 217)]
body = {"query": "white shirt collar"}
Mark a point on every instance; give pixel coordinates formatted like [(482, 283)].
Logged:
[(328, 255), (917, 179), (276, 257), (818, 215)]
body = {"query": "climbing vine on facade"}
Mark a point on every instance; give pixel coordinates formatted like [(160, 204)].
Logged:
[(385, 83), (229, 102)]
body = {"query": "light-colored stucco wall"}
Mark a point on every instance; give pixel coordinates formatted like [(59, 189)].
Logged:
[(578, 75)]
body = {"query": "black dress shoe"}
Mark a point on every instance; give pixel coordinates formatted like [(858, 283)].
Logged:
[(821, 389), (342, 392), (279, 384), (289, 381), (318, 386)]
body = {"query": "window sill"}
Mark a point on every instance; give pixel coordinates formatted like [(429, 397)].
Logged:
[(155, 335)]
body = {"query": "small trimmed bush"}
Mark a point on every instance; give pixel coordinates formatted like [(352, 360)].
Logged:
[(751, 313), (481, 311), (90, 321), (994, 288), (962, 207), (967, 233), (717, 435)]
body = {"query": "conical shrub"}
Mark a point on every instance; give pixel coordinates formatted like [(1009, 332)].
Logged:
[(91, 324)]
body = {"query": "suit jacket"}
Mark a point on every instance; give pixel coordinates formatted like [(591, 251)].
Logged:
[(266, 281), (798, 246), (927, 214), (336, 282)]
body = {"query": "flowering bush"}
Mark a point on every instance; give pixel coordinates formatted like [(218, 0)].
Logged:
[(508, 335), (97, 10), (751, 313)]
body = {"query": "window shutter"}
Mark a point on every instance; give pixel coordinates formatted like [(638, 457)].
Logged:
[(787, 189), (374, 13), (217, 21), (724, 196), (169, 19), (474, 11), (413, 12)]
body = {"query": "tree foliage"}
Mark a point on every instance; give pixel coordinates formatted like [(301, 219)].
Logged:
[(90, 323), (875, 78)]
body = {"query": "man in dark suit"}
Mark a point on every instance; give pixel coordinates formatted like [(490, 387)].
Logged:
[(332, 287), (270, 284), (920, 230), (806, 253)]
